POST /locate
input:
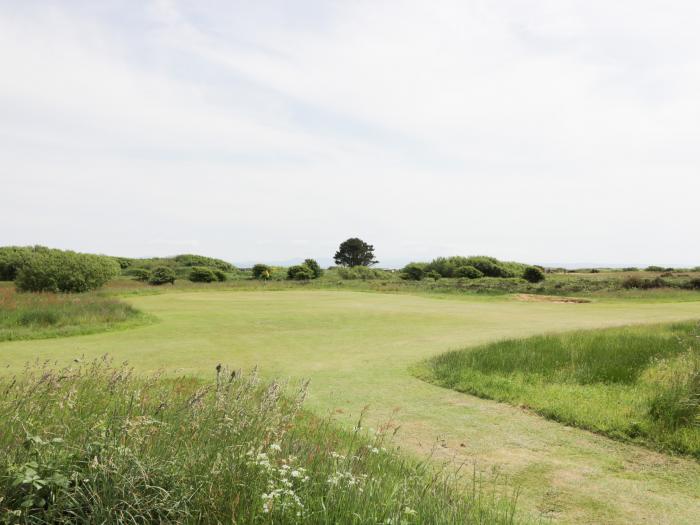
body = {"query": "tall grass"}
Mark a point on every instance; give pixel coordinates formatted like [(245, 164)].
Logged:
[(633, 383), (39, 315), (94, 444)]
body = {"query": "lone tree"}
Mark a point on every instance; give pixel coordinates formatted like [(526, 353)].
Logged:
[(355, 252)]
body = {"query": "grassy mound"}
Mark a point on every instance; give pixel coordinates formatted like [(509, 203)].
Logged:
[(94, 444), (42, 315), (633, 383)]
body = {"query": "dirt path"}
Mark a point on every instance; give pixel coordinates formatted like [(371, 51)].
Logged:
[(357, 348)]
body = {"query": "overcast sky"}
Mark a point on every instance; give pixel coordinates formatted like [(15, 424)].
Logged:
[(541, 131)]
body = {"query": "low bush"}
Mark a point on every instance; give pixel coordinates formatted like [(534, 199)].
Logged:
[(202, 274), (300, 272), (489, 266), (262, 272), (693, 284), (110, 447), (630, 269), (644, 284), (413, 271), (64, 271), (12, 258), (189, 259), (362, 273), (433, 275), (162, 275), (654, 268), (220, 275), (468, 271), (140, 274), (533, 274)]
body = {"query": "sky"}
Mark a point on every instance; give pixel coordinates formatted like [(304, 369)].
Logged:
[(557, 132)]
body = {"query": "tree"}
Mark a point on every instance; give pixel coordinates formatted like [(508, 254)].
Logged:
[(355, 252), (312, 265)]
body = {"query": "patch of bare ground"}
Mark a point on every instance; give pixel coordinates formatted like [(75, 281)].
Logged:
[(533, 298)]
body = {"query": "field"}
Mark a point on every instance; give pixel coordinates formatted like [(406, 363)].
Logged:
[(42, 315), (357, 349), (637, 383)]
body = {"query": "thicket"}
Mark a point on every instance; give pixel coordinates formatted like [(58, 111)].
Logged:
[(202, 274), (162, 275), (262, 272), (533, 274), (488, 266), (49, 270), (363, 273), (95, 444), (300, 272)]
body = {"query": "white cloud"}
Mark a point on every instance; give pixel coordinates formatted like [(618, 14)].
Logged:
[(540, 130)]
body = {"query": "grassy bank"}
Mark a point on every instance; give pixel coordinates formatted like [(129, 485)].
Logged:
[(42, 315), (635, 383), (94, 444)]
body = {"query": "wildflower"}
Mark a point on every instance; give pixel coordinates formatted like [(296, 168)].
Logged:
[(275, 447)]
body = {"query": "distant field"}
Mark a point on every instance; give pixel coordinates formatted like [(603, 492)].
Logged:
[(357, 349), (636, 383)]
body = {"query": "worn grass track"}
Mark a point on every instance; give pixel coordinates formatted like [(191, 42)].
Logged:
[(357, 347)]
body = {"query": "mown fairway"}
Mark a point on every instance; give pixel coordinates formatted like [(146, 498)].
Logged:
[(357, 347)]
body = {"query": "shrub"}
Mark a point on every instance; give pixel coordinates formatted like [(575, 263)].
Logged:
[(630, 269), (312, 265), (64, 271), (189, 259), (468, 271), (262, 272), (12, 258), (693, 284), (300, 272), (644, 284), (361, 273), (488, 266), (220, 276), (533, 274), (413, 271), (140, 274), (432, 275), (202, 274), (654, 269), (162, 275)]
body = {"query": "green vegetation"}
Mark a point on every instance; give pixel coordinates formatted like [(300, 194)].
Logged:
[(533, 274), (94, 444), (634, 383), (64, 271), (355, 252), (262, 272), (202, 274), (300, 272), (162, 275), (42, 315)]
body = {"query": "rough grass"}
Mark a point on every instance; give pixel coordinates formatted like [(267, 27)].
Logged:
[(42, 315), (94, 444), (634, 383)]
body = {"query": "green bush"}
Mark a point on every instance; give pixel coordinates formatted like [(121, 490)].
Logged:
[(262, 272), (300, 272), (64, 271), (315, 268), (693, 284), (630, 269), (362, 273), (202, 274), (654, 268), (533, 274), (432, 275), (13, 257), (162, 275), (644, 284), (140, 274), (489, 266), (220, 276), (413, 271), (468, 271), (189, 259)]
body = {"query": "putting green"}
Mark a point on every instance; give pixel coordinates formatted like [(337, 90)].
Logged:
[(356, 349)]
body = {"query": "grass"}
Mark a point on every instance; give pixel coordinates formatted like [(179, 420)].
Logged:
[(356, 348), (43, 315), (634, 383), (94, 444)]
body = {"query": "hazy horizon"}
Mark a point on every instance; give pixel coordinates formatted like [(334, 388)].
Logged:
[(544, 132)]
